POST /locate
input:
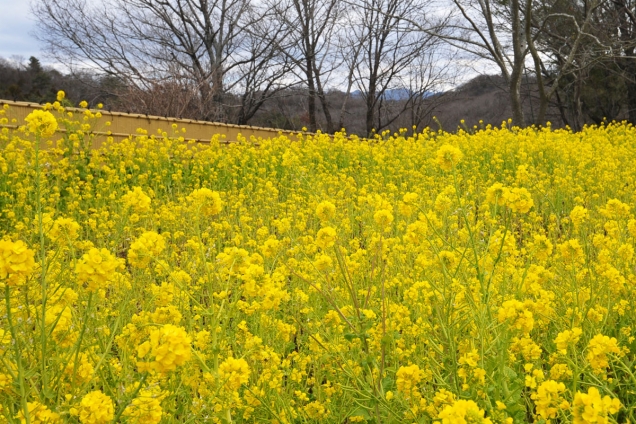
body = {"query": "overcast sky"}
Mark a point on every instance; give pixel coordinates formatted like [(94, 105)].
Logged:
[(16, 26)]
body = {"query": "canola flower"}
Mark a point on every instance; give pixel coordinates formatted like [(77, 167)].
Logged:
[(598, 349), (42, 123), (39, 414), (548, 400), (326, 237), (16, 262), (96, 268), (146, 247), (325, 210), (234, 373), (448, 157), (96, 408), (463, 412), (137, 200), (64, 229), (567, 338), (145, 408), (483, 277), (591, 408), (408, 379), (206, 201), (169, 347)]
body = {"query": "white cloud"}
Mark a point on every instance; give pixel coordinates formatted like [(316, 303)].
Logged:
[(16, 26)]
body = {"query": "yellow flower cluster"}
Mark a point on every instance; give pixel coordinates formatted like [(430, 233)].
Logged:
[(96, 408), (518, 199), (96, 269), (64, 229), (518, 314), (325, 210), (234, 373), (145, 408), (60, 319), (598, 350), (41, 123), (408, 378), (137, 200), (578, 215), (316, 411), (16, 262), (591, 408), (463, 412), (383, 218), (38, 414), (548, 400), (148, 246), (206, 201), (470, 373), (567, 338), (476, 277), (448, 157), (326, 237), (169, 347)]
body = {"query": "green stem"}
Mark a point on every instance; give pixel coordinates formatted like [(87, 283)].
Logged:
[(42, 254), (18, 356), (81, 336), (135, 393)]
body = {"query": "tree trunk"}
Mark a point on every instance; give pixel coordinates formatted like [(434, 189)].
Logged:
[(626, 23), (325, 104), (343, 108), (217, 95), (518, 118), (578, 105), (517, 67), (311, 96), (370, 107), (630, 82), (564, 117), (205, 105), (536, 59), (628, 64)]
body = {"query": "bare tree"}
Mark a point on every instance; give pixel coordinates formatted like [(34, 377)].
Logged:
[(198, 43), (350, 52), (622, 22), (492, 31), (263, 70), (311, 25), (560, 43), (504, 32), (390, 44), (175, 97), (428, 80)]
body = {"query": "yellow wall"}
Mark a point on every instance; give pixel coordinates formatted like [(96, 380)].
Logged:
[(125, 124)]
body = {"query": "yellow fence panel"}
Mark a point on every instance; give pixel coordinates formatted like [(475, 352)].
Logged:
[(123, 125)]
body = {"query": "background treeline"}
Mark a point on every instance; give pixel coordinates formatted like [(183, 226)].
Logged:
[(326, 64), (480, 99)]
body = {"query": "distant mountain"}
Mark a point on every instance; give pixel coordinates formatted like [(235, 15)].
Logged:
[(396, 94)]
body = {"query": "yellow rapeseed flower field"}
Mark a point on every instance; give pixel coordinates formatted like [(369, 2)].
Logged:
[(483, 277)]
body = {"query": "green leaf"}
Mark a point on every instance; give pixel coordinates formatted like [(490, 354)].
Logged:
[(369, 360), (350, 336), (387, 339), (361, 412), (509, 373), (515, 395), (387, 383)]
